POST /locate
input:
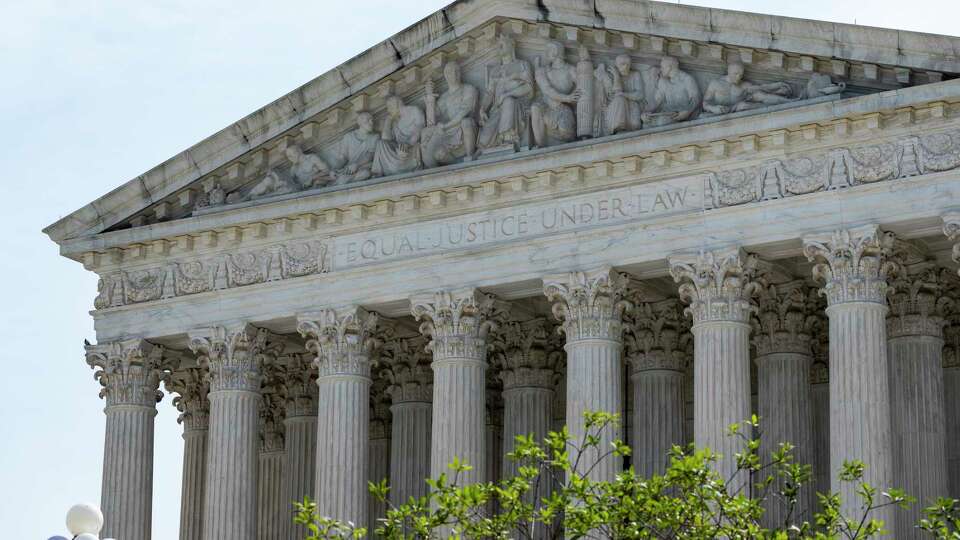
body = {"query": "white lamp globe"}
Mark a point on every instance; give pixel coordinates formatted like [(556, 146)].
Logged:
[(86, 536), (84, 518)]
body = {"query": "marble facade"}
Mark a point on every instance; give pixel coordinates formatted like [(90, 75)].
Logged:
[(516, 211)]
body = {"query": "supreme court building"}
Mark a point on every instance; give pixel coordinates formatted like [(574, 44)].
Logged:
[(515, 211)]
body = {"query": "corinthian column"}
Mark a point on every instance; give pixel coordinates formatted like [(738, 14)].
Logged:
[(527, 375), (852, 265), (411, 392), (951, 371), (457, 324), (272, 506), (591, 306), (192, 387), (915, 348), (130, 373), (784, 325), (656, 351), (234, 357), (300, 437), (820, 405), (343, 342), (718, 287)]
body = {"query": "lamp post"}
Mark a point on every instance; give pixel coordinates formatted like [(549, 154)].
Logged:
[(84, 522)]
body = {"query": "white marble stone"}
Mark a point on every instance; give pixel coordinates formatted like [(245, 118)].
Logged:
[(590, 306), (718, 286), (130, 374), (234, 356), (852, 265), (195, 416), (300, 437), (457, 324), (342, 341)]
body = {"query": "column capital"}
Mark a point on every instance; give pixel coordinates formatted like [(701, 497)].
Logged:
[(234, 355), (379, 411), (918, 301), (657, 337), (299, 377), (343, 340), (951, 342), (192, 386), (457, 322), (407, 370), (718, 284), (853, 264), (524, 355), (129, 371), (786, 318), (591, 304)]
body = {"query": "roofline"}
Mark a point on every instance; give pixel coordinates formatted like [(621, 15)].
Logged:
[(914, 50)]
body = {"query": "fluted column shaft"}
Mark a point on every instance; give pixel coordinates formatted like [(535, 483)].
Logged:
[(127, 490), (919, 427), (786, 417), (410, 450), (129, 372), (951, 392), (272, 505), (191, 492), (300, 467), (526, 411), (380, 466), (342, 448), (820, 405), (657, 419), (721, 388)]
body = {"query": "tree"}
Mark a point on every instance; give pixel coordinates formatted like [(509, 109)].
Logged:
[(552, 497)]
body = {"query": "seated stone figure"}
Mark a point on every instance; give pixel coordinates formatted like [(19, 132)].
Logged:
[(509, 89), (351, 157), (623, 96), (552, 117), (454, 135), (399, 148), (731, 93), (676, 98)]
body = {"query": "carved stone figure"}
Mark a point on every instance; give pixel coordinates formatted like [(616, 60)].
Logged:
[(399, 148), (307, 170), (552, 118), (509, 89), (352, 156), (623, 96), (272, 183), (451, 131), (821, 85), (217, 195), (677, 96), (731, 93), (589, 101)]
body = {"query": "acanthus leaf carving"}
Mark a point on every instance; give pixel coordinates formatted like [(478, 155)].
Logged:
[(457, 323), (407, 370), (852, 264), (786, 319), (657, 337), (719, 285), (129, 371), (590, 304), (234, 355), (343, 340), (192, 386)]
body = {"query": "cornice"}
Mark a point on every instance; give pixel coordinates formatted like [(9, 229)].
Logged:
[(847, 50)]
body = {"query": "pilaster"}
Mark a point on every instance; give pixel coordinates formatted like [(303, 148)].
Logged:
[(457, 324), (129, 373), (655, 343), (590, 306), (718, 286), (343, 341), (853, 267)]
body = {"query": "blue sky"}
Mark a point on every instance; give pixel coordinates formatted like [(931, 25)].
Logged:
[(93, 93)]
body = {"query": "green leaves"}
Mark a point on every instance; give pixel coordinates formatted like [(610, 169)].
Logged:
[(552, 496)]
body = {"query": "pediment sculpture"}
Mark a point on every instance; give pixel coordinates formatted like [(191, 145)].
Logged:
[(549, 101)]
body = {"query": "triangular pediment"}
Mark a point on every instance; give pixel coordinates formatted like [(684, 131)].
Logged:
[(786, 62)]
